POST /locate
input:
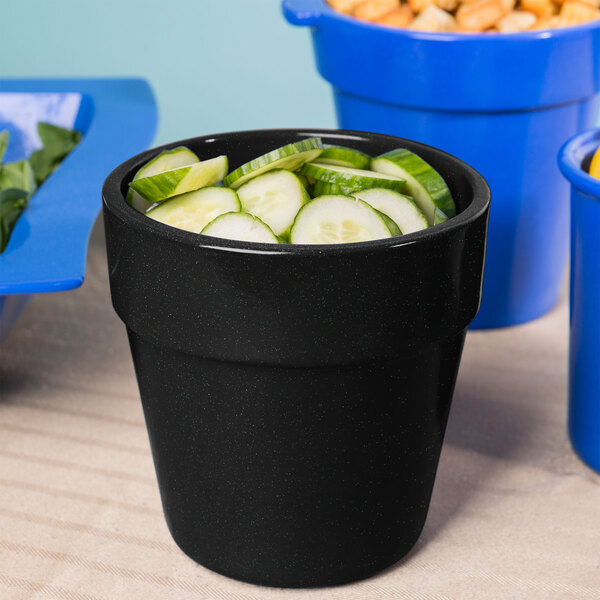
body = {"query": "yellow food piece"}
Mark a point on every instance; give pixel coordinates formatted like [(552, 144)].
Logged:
[(447, 5), (517, 20), (576, 13), (472, 16), (482, 15), (434, 19), (419, 5), (595, 165), (399, 17), (549, 23), (594, 3), (371, 10), (543, 9), (345, 6)]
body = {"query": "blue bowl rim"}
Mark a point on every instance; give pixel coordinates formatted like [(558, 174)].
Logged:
[(115, 203), (432, 36), (569, 161)]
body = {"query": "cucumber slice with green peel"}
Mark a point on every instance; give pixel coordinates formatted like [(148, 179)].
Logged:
[(439, 216), (291, 157), (140, 204), (274, 197), (240, 226), (165, 161), (337, 220), (195, 210), (324, 188), (350, 177), (423, 182), (303, 181), (167, 184), (391, 225), (400, 208), (344, 157)]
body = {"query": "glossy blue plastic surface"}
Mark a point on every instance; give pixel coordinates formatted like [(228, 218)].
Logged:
[(504, 103), (584, 346), (48, 248)]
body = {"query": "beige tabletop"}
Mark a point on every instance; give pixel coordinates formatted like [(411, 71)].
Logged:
[(514, 514)]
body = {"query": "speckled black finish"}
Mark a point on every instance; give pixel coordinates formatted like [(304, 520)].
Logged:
[(296, 397)]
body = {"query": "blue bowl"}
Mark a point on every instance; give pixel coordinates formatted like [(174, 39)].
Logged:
[(584, 346), (503, 103), (47, 250)]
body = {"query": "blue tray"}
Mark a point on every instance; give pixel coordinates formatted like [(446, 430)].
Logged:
[(48, 248)]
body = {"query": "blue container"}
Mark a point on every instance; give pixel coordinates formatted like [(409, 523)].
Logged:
[(48, 247), (584, 347), (504, 103)]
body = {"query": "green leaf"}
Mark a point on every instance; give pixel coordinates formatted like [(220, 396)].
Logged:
[(43, 164), (4, 137), (12, 204), (57, 142), (18, 175), (19, 180)]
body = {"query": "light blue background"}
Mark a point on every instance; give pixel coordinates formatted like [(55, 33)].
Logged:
[(214, 65)]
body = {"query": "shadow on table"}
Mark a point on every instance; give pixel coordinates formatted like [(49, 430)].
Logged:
[(489, 426), (69, 339), (486, 421)]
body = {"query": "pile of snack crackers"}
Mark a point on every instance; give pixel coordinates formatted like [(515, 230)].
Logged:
[(501, 16)]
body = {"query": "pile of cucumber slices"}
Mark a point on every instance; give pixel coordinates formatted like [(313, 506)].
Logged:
[(301, 193)]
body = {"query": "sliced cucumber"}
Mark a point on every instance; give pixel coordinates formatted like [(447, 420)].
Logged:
[(291, 157), (344, 157), (167, 184), (240, 226), (324, 188), (165, 161), (439, 216), (391, 225), (139, 203), (353, 178), (337, 220), (195, 210), (275, 198), (303, 181), (400, 208), (423, 182)]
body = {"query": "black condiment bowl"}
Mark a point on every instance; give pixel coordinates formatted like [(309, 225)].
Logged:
[(296, 396)]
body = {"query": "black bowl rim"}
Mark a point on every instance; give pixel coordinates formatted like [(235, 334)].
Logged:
[(115, 202)]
